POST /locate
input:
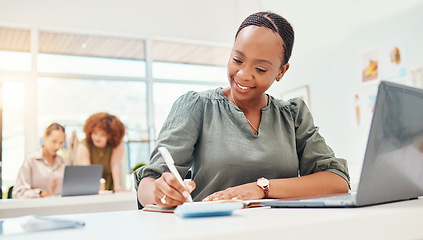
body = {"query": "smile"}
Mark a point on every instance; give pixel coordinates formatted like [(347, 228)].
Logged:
[(242, 87)]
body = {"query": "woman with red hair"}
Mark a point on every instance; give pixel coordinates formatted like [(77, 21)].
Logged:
[(103, 144)]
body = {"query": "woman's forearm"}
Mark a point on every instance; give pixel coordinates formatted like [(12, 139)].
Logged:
[(82, 155), (311, 185), (116, 159), (116, 176)]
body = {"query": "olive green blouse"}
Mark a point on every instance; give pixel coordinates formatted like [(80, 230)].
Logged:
[(208, 133), (101, 156)]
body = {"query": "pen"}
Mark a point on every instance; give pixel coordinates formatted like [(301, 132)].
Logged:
[(171, 165)]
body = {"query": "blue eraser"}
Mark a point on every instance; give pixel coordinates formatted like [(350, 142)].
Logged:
[(208, 209)]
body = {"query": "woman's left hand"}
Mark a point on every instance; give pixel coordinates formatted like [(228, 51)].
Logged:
[(120, 189), (247, 191)]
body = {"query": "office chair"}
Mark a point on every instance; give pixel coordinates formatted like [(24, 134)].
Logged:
[(139, 204), (9, 192)]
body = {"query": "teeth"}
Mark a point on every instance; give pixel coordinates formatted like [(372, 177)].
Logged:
[(242, 87)]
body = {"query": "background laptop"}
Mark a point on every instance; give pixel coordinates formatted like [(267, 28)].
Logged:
[(81, 180), (393, 164)]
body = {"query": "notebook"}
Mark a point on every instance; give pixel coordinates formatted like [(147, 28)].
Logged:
[(81, 180), (205, 209), (33, 223), (393, 163)]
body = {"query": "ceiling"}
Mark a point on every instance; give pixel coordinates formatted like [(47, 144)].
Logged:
[(12, 39), (91, 46)]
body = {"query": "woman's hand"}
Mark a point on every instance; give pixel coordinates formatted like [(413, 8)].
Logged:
[(51, 190), (118, 188), (168, 191), (247, 191)]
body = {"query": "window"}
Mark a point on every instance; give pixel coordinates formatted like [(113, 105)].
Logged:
[(189, 72), (15, 61), (90, 65), (15, 49), (72, 101), (14, 56), (165, 95), (13, 131)]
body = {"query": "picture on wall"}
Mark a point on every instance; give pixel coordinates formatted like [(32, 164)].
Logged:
[(299, 92), (370, 65), (394, 60), (362, 105)]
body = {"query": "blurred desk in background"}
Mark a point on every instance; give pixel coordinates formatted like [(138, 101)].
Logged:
[(68, 205)]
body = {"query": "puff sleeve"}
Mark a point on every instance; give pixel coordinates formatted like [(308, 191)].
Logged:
[(313, 153), (179, 134)]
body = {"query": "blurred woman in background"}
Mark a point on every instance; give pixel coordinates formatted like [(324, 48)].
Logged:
[(41, 174), (103, 144)]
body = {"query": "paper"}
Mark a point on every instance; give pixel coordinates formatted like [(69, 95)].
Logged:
[(33, 223), (244, 204)]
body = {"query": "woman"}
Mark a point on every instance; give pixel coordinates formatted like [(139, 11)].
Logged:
[(41, 174), (103, 144), (240, 142)]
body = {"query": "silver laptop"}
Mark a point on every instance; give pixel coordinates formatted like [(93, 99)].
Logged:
[(393, 164), (81, 180)]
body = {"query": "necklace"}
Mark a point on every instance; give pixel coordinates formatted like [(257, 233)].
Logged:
[(245, 116)]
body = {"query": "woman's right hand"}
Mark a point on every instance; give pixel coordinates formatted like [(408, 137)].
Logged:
[(168, 191), (51, 190)]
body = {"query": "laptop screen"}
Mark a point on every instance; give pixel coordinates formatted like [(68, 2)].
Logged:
[(81, 180), (393, 165)]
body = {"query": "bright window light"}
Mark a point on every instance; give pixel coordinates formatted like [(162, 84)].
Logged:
[(180, 71), (90, 65), (13, 150), (15, 61)]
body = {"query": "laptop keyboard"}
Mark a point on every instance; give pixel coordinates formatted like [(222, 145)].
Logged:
[(350, 196), (334, 201)]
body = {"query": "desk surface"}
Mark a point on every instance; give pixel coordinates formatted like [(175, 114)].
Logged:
[(68, 205), (401, 220)]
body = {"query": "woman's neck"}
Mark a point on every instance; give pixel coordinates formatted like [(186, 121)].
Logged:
[(249, 105), (50, 158)]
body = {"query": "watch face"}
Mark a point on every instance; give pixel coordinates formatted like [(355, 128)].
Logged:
[(263, 182)]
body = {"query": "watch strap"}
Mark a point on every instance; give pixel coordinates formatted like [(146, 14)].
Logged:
[(266, 191)]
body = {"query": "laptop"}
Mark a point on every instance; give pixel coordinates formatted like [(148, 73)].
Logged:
[(393, 164), (81, 180)]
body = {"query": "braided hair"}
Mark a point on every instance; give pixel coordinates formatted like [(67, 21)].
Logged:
[(277, 24)]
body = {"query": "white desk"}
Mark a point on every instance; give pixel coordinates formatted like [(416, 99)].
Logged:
[(68, 205), (401, 220)]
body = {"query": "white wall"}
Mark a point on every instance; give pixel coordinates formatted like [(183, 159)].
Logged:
[(326, 56)]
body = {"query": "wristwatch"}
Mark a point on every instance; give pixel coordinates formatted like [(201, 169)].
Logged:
[(263, 183)]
